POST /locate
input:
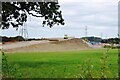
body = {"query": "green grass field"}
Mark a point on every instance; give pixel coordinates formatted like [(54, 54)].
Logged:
[(63, 64)]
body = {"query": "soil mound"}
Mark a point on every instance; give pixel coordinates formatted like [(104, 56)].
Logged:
[(63, 45)]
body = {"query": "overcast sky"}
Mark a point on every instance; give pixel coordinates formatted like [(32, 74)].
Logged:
[(100, 16)]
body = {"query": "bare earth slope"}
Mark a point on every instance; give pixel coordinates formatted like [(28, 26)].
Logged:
[(63, 45)]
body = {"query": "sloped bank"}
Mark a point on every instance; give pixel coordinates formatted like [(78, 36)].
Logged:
[(65, 45)]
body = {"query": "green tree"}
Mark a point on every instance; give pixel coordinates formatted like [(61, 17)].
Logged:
[(15, 13)]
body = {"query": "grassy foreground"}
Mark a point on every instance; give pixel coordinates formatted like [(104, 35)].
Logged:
[(70, 64)]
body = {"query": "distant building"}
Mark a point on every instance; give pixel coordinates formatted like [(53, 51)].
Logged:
[(94, 43), (93, 40)]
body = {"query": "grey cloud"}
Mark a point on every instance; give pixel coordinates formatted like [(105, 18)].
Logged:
[(99, 17)]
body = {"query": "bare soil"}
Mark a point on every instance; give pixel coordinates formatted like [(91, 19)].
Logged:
[(47, 46)]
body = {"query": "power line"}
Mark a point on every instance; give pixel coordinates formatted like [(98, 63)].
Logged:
[(101, 34), (86, 29)]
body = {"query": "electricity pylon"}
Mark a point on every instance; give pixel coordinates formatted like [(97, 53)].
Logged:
[(23, 31)]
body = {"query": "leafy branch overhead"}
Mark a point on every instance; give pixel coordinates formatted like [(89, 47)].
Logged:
[(15, 13)]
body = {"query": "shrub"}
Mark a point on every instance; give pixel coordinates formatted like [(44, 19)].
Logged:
[(9, 71)]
